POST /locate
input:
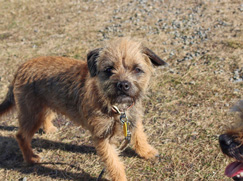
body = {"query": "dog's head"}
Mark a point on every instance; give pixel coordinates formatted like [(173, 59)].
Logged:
[(231, 144), (123, 69)]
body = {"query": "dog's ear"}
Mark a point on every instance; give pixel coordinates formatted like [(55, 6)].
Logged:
[(92, 61), (155, 59)]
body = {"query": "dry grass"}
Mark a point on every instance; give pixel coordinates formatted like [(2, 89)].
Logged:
[(187, 105)]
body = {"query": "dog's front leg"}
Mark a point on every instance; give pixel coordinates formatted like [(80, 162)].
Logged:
[(109, 155), (140, 143)]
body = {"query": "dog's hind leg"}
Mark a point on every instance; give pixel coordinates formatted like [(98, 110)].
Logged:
[(31, 116), (47, 124)]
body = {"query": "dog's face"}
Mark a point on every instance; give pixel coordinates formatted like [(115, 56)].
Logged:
[(123, 69), (231, 144)]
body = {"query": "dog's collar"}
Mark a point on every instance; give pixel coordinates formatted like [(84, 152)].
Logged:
[(125, 124), (117, 111)]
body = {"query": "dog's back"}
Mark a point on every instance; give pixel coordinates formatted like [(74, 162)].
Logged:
[(56, 81)]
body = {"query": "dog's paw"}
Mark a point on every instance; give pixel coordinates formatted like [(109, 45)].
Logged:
[(51, 129), (151, 153), (36, 158), (33, 159)]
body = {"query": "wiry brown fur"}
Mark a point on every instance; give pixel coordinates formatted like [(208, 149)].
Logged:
[(85, 93), (237, 130)]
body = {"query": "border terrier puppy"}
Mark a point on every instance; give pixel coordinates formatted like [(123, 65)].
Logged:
[(231, 144), (86, 92)]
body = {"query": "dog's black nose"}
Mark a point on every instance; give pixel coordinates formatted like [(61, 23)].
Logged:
[(124, 86), (225, 140)]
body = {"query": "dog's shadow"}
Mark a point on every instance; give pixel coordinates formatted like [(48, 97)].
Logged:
[(11, 157)]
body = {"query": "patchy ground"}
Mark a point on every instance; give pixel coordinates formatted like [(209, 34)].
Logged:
[(187, 105)]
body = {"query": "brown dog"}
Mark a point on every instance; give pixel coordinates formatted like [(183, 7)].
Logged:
[(231, 144), (92, 94)]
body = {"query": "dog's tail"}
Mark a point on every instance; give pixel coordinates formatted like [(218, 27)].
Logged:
[(8, 103), (238, 108)]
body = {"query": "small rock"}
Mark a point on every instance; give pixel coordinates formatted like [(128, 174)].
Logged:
[(236, 91), (241, 8)]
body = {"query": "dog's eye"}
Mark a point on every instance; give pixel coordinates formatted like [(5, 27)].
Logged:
[(109, 70), (138, 70)]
